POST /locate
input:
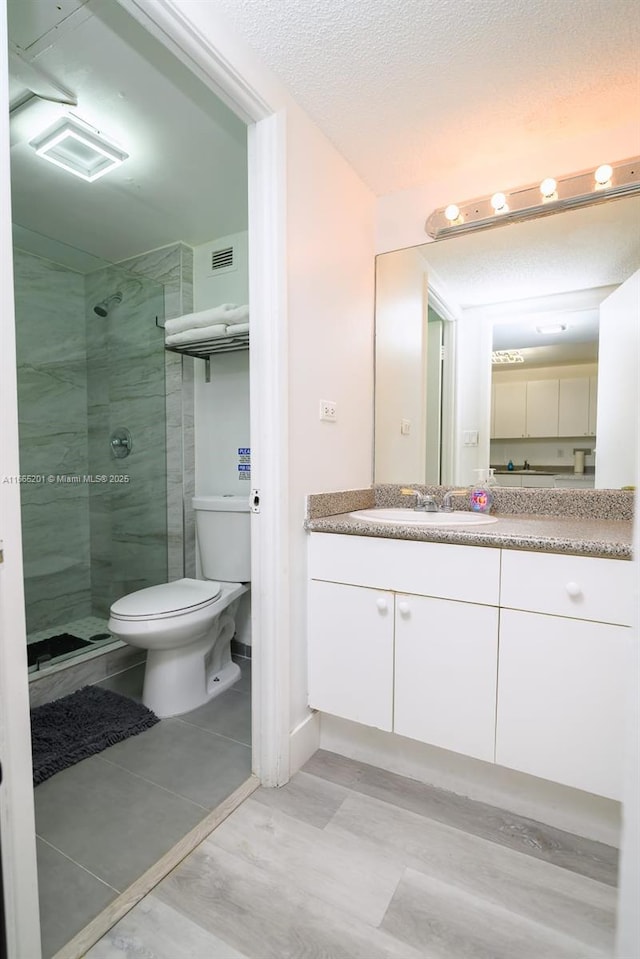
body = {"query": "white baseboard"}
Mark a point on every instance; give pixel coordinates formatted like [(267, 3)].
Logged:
[(561, 806), (304, 740)]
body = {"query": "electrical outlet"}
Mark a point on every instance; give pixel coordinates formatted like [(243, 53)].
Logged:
[(328, 410)]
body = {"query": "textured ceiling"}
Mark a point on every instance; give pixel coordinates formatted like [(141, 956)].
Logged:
[(409, 90)]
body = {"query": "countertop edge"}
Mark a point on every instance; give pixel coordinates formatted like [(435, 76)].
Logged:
[(349, 526)]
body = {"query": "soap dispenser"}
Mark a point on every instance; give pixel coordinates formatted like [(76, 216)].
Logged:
[(481, 498)]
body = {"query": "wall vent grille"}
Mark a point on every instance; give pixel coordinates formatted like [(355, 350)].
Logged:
[(222, 259)]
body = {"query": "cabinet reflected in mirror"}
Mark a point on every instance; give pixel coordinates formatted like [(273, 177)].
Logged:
[(563, 291)]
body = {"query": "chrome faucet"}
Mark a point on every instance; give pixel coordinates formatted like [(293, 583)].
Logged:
[(448, 496), (424, 501)]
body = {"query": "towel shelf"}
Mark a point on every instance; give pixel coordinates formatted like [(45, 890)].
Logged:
[(231, 343)]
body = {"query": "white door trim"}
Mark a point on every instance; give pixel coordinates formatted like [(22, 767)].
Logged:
[(270, 587), (17, 825)]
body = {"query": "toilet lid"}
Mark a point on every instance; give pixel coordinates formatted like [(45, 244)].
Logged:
[(179, 597)]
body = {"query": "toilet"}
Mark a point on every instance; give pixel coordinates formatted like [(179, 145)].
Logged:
[(187, 626)]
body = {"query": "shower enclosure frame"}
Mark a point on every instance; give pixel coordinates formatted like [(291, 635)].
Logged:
[(270, 531)]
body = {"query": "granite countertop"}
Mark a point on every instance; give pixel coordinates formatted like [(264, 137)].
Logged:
[(579, 535)]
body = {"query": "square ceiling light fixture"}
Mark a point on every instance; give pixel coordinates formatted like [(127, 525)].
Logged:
[(77, 148)]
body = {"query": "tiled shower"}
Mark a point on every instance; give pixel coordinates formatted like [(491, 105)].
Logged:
[(94, 526)]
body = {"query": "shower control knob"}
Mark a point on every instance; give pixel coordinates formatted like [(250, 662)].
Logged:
[(120, 443), (382, 604)]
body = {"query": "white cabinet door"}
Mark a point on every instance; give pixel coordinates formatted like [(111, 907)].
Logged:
[(510, 403), (445, 679), (573, 417), (509, 479), (350, 632), (542, 407), (561, 712), (593, 404), (537, 482)]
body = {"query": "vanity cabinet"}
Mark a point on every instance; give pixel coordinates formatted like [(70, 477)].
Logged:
[(445, 674), (419, 659), (509, 656), (561, 708), (351, 652)]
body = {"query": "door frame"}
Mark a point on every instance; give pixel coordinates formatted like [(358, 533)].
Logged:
[(17, 823)]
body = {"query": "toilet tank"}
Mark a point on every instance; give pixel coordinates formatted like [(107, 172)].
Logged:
[(223, 528)]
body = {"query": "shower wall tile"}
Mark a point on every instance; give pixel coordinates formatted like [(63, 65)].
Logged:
[(52, 404)]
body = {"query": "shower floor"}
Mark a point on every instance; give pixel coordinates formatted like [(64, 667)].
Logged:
[(83, 629)]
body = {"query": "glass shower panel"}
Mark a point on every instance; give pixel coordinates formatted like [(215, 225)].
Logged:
[(90, 359), (126, 397)]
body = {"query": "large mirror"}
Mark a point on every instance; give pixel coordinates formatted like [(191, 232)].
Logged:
[(555, 303)]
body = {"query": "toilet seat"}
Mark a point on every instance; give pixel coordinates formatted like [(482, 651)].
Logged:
[(167, 600)]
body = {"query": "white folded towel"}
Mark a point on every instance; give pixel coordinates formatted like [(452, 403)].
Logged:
[(191, 321), (239, 315), (232, 330), (196, 335)]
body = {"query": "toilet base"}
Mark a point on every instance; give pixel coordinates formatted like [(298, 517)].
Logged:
[(222, 679), (179, 680)]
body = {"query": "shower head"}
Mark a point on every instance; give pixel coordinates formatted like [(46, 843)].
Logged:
[(103, 308)]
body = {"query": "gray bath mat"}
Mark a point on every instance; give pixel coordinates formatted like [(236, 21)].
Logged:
[(80, 725)]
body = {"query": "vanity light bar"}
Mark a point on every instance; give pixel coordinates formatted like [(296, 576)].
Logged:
[(549, 196)]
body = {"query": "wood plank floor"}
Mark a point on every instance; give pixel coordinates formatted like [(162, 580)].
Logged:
[(351, 862)]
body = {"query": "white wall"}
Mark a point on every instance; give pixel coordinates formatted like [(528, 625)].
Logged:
[(330, 302), (222, 405), (618, 394)]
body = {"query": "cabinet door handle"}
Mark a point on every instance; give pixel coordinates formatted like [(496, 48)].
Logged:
[(403, 608), (382, 604), (573, 590)]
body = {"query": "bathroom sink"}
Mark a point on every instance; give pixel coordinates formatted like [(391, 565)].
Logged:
[(412, 517)]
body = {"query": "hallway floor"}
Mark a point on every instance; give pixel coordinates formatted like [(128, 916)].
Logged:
[(101, 823), (350, 862)]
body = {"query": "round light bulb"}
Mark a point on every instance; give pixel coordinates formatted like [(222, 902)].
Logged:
[(603, 174), (548, 187), (452, 212), (499, 202)]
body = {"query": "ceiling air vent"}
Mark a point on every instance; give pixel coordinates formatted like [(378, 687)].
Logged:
[(222, 261)]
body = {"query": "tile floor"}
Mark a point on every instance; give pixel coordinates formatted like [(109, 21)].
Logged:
[(101, 823), (351, 862)]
